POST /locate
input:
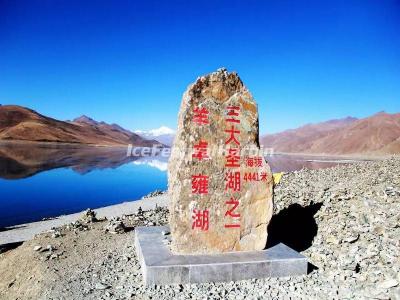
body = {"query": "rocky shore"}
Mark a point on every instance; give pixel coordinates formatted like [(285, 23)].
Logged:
[(345, 219)]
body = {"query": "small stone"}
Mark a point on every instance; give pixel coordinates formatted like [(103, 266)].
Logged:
[(37, 248), (352, 239), (115, 226), (379, 230), (50, 248), (101, 286), (332, 240), (89, 216), (11, 284), (388, 284), (56, 234)]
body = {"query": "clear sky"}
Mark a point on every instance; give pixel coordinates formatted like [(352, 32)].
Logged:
[(130, 61)]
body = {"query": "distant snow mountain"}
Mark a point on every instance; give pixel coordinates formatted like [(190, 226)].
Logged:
[(163, 135)]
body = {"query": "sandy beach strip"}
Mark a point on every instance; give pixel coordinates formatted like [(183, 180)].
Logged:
[(24, 232)]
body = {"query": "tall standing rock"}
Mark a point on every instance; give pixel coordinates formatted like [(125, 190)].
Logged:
[(220, 188)]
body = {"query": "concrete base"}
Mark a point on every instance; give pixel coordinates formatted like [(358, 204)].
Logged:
[(160, 266)]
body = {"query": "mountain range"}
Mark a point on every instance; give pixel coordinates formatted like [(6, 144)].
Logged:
[(375, 135), (18, 123)]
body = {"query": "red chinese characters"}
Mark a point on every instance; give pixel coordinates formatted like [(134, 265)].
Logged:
[(232, 214), (199, 184), (263, 176), (201, 219), (233, 111), (233, 158), (200, 115), (232, 138), (233, 178), (200, 181), (254, 161), (200, 150)]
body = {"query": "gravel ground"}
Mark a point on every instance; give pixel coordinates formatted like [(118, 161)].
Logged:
[(345, 219)]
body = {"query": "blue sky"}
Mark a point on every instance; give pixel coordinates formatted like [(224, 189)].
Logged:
[(130, 61)]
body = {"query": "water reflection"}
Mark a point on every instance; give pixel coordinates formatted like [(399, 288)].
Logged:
[(40, 181), (158, 162), (19, 161)]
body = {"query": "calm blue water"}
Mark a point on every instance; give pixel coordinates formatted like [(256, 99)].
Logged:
[(63, 191), (43, 181)]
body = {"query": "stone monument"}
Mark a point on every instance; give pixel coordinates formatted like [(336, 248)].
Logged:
[(220, 190), (220, 187)]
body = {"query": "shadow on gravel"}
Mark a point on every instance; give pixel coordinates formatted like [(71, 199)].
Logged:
[(311, 268), (294, 226), (129, 228), (10, 246)]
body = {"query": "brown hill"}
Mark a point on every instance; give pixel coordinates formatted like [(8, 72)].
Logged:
[(302, 138), (20, 123), (375, 135)]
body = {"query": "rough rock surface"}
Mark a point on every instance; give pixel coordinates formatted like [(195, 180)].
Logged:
[(221, 96)]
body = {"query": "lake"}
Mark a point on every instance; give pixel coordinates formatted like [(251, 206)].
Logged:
[(40, 180)]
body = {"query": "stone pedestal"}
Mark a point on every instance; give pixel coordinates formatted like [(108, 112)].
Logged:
[(160, 266)]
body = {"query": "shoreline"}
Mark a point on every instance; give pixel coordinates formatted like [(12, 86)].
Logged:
[(24, 232), (353, 157)]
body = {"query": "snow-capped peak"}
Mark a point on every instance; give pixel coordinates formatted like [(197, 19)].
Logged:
[(163, 130), (163, 134)]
